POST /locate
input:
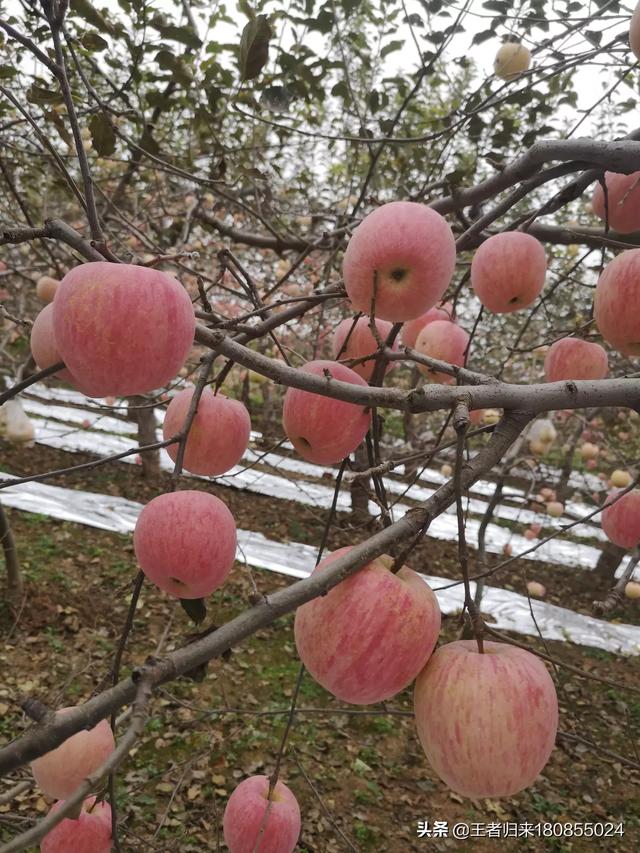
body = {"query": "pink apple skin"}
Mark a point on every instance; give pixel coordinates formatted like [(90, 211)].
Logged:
[(634, 32), (43, 343), (508, 271), (59, 772), (572, 358), (621, 520), (446, 341), (321, 429), (360, 342), (185, 543), (616, 305), (122, 329), (624, 201), (91, 833), (487, 723), (412, 329), (219, 433), (409, 251), (244, 817), (368, 638)]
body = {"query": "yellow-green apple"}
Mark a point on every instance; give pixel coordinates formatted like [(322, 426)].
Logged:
[(369, 636), (588, 450), (632, 590), (46, 287), (572, 358), (354, 339), (491, 416), (621, 520), (620, 479), (555, 509), (511, 60), (614, 303), (508, 271), (321, 429), (623, 199), (446, 470), (445, 341), (412, 328), (487, 722), (219, 433), (246, 828), (59, 772), (43, 344), (405, 254), (541, 435), (185, 543), (122, 329), (90, 833)]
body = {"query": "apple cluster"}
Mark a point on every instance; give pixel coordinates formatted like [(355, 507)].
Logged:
[(59, 772), (487, 721)]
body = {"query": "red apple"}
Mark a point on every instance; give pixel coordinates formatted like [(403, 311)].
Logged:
[(508, 271), (621, 520), (445, 341), (412, 329), (623, 193), (407, 253), (536, 589), (369, 636), (43, 344), (616, 306), (245, 828), (354, 339), (572, 358), (59, 772), (219, 433), (321, 429), (90, 833), (185, 543), (122, 329), (487, 723)]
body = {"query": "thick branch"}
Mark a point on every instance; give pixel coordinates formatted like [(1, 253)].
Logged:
[(543, 397), (42, 739)]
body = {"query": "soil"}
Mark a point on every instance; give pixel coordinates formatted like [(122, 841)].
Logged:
[(358, 773)]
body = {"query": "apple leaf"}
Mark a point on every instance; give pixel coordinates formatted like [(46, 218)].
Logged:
[(195, 609), (102, 134), (254, 47)]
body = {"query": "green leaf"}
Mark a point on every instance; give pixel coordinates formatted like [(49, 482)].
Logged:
[(184, 35), (39, 95), (195, 609), (102, 134), (254, 47), (92, 41), (87, 10)]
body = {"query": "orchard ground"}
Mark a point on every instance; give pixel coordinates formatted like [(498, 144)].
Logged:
[(368, 771)]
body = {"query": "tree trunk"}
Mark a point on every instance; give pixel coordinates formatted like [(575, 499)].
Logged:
[(608, 562), (15, 583), (145, 418), (361, 488)]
